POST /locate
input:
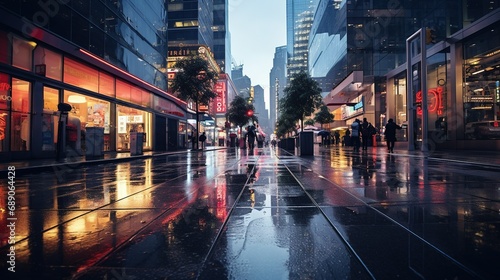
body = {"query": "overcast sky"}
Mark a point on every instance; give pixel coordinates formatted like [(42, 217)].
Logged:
[(257, 27)]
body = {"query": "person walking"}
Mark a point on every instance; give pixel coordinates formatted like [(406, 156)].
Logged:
[(251, 134), (365, 134), (336, 135), (202, 139), (390, 134), (355, 134)]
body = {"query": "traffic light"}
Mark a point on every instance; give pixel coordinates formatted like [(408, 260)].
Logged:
[(430, 36), (250, 112)]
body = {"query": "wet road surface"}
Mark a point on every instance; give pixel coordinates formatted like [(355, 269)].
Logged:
[(227, 214)]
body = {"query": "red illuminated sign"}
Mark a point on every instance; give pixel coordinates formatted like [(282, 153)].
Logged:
[(219, 104), (434, 99)]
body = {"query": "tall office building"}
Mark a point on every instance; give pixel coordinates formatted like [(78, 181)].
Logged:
[(222, 37), (190, 22), (361, 47), (105, 59), (277, 80), (299, 18), (260, 108), (242, 82)]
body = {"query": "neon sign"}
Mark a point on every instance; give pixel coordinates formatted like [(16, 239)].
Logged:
[(434, 99)]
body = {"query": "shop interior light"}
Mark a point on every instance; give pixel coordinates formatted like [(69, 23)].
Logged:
[(481, 108), (477, 72), (76, 99)]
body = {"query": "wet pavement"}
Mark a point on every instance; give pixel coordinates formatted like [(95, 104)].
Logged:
[(234, 214)]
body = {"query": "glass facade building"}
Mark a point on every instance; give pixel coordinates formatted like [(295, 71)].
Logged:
[(299, 17), (105, 59), (190, 22), (277, 82), (360, 48)]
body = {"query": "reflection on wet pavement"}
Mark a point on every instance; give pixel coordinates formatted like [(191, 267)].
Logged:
[(231, 214)]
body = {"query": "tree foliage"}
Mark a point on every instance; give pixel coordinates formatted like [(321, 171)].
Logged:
[(237, 112), (194, 80), (302, 97), (284, 125), (323, 116), (309, 122)]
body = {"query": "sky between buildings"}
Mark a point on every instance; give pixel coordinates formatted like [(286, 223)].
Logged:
[(257, 27)]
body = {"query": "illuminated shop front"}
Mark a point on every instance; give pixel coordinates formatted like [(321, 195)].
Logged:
[(463, 92), (15, 111), (44, 78), (132, 120)]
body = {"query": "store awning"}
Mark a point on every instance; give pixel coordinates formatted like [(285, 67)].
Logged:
[(205, 117), (348, 89)]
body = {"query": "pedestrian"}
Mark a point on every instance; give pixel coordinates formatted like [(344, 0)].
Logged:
[(355, 134), (365, 134), (347, 138), (202, 139), (251, 134), (336, 134), (390, 134)]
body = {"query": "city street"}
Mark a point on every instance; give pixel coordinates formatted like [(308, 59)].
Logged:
[(267, 214)]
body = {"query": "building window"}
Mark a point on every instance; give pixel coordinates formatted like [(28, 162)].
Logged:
[(20, 116), (481, 94), (132, 120), (50, 62), (86, 112), (22, 53), (49, 122), (80, 75)]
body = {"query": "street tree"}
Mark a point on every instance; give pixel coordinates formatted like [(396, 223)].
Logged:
[(240, 112), (285, 124), (302, 97), (309, 122), (323, 116), (194, 82)]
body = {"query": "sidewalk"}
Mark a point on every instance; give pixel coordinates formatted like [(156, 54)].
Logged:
[(39, 165), (476, 157)]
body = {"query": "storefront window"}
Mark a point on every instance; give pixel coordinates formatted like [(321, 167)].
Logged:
[(22, 53), (80, 75), (400, 107), (50, 62), (481, 94), (20, 118), (5, 101), (106, 84), (437, 94), (86, 112), (49, 118), (123, 90), (131, 93), (132, 120)]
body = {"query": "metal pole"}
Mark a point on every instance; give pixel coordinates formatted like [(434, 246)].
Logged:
[(410, 106), (423, 82)]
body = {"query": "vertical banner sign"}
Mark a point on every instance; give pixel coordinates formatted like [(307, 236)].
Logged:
[(220, 100)]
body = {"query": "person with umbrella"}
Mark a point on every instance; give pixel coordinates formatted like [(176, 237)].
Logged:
[(324, 134)]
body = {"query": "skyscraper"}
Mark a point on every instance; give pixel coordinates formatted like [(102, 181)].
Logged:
[(299, 18), (277, 81), (190, 22), (222, 40)]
